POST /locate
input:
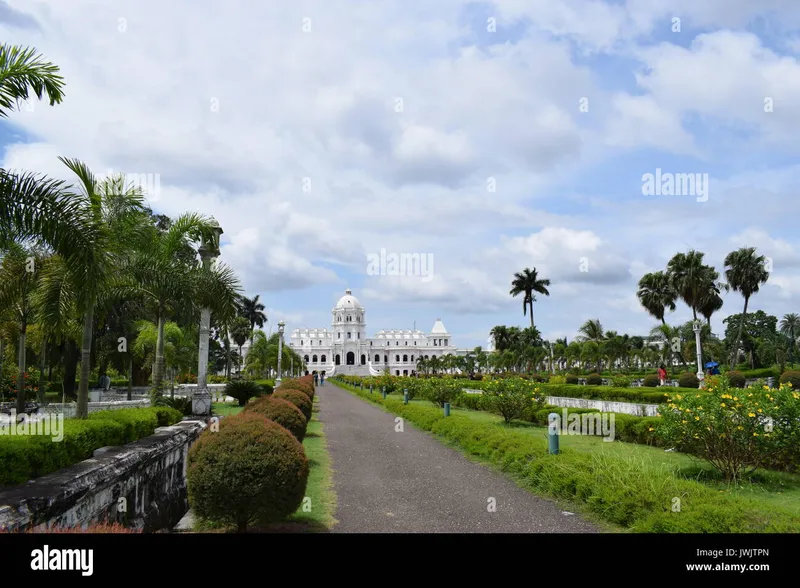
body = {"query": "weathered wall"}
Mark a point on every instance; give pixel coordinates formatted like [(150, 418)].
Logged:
[(150, 474), (631, 408)]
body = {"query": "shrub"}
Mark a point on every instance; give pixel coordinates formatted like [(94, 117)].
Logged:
[(594, 380), (620, 381), (651, 381), (296, 397), (736, 379), (243, 390), (302, 387), (511, 398), (729, 428), (282, 412), (558, 380), (571, 379), (792, 377), (688, 380), (182, 404), (250, 471), (471, 401), (137, 422), (441, 391)]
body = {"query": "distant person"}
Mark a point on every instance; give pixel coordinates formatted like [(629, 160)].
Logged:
[(322, 379), (715, 371), (662, 374), (316, 378)]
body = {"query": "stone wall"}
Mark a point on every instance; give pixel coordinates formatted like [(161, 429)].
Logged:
[(150, 474), (631, 408), (69, 410)]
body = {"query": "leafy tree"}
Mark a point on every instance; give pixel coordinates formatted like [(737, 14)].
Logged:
[(745, 272), (527, 282), (657, 295)]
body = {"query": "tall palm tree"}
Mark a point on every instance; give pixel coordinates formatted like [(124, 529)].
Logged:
[(592, 330), (745, 272), (252, 310), (527, 282), (790, 326), (240, 333), (693, 281), (657, 295), (19, 274)]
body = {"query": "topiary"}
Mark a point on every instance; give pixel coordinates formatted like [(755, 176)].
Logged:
[(299, 387), (250, 470), (571, 379), (736, 379), (688, 380), (791, 376), (243, 390), (621, 381), (651, 381), (282, 412), (594, 380), (296, 397)]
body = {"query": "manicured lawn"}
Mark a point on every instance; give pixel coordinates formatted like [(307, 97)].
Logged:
[(316, 515), (225, 408)]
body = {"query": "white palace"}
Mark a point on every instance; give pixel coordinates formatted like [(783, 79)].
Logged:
[(346, 349)]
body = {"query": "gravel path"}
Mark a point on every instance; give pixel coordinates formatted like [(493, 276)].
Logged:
[(409, 482)]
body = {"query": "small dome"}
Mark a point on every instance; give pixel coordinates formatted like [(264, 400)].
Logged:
[(348, 302)]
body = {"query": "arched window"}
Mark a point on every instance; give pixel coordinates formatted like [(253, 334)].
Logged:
[(314, 359), (405, 372), (301, 341), (412, 359), (377, 358), (386, 359), (337, 359), (397, 372), (397, 358), (363, 359), (405, 359), (305, 358), (324, 359)]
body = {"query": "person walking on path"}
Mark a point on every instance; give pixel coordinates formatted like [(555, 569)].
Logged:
[(316, 378), (322, 378), (662, 374)]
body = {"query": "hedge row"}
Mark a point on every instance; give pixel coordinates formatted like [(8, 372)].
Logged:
[(253, 469), (621, 491), (28, 457)]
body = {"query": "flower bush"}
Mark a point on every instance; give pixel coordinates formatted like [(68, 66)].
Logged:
[(735, 430), (512, 398)]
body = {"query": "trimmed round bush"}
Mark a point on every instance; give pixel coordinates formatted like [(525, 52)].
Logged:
[(282, 412), (296, 397), (243, 390), (594, 380), (298, 387), (621, 381), (651, 381), (251, 470), (571, 379), (688, 380), (791, 376), (736, 379)]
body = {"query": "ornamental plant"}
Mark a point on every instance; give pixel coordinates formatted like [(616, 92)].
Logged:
[(440, 391), (511, 398), (732, 429)]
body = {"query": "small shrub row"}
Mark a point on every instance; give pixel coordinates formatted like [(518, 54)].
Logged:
[(27, 457)]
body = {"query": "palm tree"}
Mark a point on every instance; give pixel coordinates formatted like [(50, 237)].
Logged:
[(591, 330), (692, 280), (790, 326), (252, 311), (745, 272), (19, 273), (240, 333), (657, 295), (22, 69), (527, 282)]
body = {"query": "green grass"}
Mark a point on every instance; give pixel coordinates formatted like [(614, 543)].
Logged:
[(631, 486), (316, 515)]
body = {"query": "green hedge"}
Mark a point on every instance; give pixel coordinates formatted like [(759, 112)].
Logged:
[(29, 457), (620, 490)]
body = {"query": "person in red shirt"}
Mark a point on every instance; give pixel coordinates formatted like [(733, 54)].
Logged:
[(662, 374)]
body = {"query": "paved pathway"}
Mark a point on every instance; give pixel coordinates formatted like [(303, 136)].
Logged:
[(408, 481)]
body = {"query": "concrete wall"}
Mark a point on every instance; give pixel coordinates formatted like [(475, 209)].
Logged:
[(631, 408), (69, 410), (150, 474)]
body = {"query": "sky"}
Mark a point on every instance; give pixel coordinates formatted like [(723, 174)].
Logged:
[(329, 136)]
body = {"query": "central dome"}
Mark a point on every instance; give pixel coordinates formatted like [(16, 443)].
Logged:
[(348, 302)]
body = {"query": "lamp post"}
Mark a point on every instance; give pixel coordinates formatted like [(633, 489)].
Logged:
[(281, 326), (201, 399), (552, 360), (696, 326)]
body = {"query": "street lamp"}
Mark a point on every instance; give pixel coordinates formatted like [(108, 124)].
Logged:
[(696, 327), (281, 326), (201, 399)]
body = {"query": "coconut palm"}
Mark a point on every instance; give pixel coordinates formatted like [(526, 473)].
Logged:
[(692, 280), (527, 282), (657, 295), (240, 333), (790, 327), (591, 330), (745, 272), (252, 310)]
